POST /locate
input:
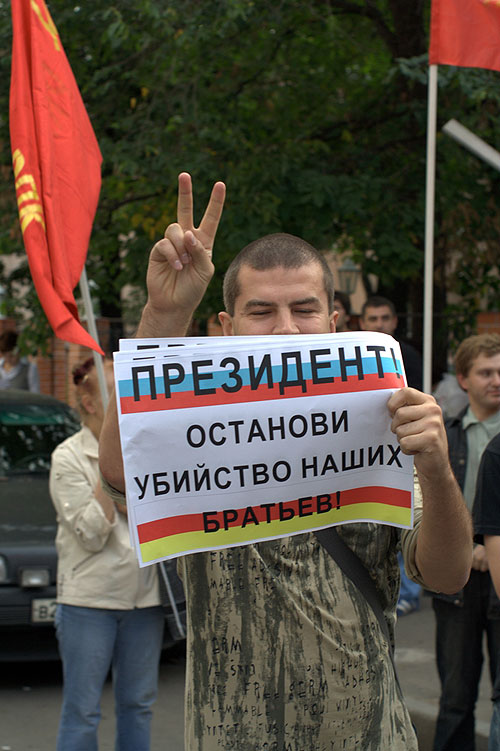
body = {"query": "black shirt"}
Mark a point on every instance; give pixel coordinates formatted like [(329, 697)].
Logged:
[(486, 511)]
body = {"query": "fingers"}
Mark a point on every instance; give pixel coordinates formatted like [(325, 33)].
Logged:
[(409, 405), (406, 397), (480, 558), (481, 565), (182, 243), (213, 212), (417, 422), (176, 247), (211, 218), (185, 201)]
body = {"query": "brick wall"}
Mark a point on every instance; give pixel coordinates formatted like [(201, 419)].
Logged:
[(488, 323), (55, 369), (56, 366)]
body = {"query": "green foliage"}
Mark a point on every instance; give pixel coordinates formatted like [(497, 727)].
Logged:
[(314, 113)]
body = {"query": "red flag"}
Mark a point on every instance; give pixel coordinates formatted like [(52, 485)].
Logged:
[(465, 33), (57, 165)]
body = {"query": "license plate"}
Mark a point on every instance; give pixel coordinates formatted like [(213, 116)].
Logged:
[(43, 611)]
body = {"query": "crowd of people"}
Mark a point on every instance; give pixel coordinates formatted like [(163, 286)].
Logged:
[(321, 663)]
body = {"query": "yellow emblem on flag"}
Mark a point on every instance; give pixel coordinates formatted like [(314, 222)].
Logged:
[(48, 24), (28, 201)]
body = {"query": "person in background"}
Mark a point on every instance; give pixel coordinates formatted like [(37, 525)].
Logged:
[(108, 612), (486, 514), (379, 314), (463, 619), (409, 592), (450, 396), (16, 372), (342, 305)]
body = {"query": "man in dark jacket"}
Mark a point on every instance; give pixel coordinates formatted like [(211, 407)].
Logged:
[(379, 314), (464, 618), (486, 514)]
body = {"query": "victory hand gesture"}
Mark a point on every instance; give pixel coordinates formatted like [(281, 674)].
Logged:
[(180, 266)]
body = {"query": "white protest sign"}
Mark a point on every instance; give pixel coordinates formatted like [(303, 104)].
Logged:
[(232, 440)]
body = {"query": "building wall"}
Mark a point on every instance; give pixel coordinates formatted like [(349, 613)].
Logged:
[(488, 323), (56, 366)]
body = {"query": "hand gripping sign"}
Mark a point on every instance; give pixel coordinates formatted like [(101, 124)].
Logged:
[(228, 441)]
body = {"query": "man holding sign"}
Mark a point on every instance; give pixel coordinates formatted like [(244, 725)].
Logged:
[(284, 652)]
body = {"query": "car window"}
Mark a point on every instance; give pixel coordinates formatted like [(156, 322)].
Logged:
[(29, 433)]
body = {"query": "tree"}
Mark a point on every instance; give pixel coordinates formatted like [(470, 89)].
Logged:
[(313, 112)]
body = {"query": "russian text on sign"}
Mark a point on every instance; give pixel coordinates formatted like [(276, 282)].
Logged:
[(222, 447)]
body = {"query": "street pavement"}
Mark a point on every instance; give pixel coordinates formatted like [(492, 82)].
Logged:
[(419, 680), (30, 695), (30, 704)]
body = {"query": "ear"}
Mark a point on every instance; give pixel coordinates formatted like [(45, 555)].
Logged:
[(333, 321), (88, 403), (462, 381), (226, 322)]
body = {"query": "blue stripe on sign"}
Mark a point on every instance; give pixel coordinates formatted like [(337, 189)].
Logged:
[(222, 377)]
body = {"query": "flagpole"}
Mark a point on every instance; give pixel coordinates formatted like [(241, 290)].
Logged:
[(98, 359), (429, 227), (473, 143)]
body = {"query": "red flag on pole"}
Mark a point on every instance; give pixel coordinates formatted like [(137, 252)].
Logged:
[(465, 33), (57, 166)]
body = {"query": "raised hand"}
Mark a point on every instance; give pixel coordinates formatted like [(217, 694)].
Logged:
[(180, 265)]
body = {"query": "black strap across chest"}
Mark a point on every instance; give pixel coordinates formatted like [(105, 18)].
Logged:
[(352, 567)]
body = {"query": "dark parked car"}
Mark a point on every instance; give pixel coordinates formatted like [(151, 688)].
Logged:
[(31, 426)]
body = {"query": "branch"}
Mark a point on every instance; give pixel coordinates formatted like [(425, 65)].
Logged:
[(368, 10), (118, 204), (251, 79), (112, 207)]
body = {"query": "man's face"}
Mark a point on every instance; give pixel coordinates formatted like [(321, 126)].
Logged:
[(10, 358), (380, 319), (280, 301), (482, 384)]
